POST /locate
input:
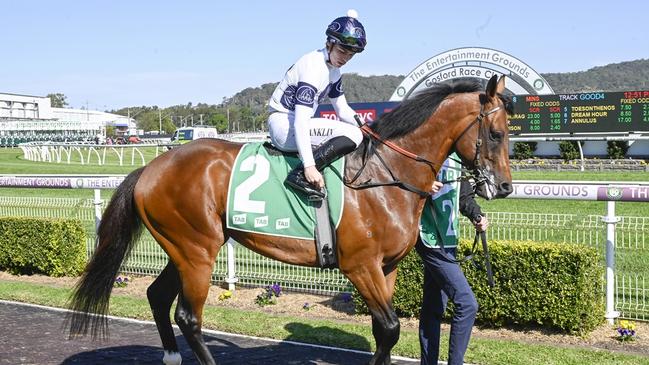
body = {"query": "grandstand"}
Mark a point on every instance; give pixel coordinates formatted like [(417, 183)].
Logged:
[(27, 118)]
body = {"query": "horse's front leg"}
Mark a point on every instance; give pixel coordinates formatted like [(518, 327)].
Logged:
[(377, 289), (380, 336)]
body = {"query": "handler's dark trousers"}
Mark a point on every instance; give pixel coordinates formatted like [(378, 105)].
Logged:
[(444, 280)]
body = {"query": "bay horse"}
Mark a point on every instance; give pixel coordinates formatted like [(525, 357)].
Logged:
[(180, 197)]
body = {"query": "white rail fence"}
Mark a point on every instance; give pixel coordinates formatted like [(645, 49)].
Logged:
[(624, 238), (88, 153)]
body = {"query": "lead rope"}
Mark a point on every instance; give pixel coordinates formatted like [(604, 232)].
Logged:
[(478, 236), (487, 259)]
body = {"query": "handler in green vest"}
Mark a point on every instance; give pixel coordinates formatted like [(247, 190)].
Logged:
[(443, 277)]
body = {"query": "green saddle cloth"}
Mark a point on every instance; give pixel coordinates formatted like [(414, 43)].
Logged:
[(258, 200)]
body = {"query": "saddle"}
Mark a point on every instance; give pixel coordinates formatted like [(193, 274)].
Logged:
[(258, 200)]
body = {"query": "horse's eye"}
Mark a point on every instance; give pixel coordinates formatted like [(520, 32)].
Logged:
[(496, 135)]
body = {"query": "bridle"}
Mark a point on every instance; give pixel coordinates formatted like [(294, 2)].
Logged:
[(477, 173)]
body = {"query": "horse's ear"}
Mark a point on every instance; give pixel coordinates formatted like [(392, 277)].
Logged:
[(492, 86), (500, 88)]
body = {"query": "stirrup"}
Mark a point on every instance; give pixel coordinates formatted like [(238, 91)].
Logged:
[(316, 198), (311, 193)]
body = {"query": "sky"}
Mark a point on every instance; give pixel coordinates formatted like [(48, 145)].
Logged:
[(106, 55)]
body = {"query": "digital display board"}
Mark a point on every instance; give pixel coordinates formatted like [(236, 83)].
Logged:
[(593, 112)]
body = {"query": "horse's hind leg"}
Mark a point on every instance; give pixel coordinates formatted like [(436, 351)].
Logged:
[(189, 311), (161, 294), (192, 255)]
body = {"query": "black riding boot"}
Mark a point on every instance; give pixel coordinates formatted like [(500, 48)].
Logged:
[(324, 155)]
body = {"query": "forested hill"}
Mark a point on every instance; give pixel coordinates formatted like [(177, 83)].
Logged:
[(632, 75), (357, 89), (246, 110), (624, 76)]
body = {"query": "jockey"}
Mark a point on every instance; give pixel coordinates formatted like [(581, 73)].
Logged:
[(292, 106)]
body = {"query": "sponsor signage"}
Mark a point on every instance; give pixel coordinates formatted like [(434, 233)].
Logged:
[(626, 192), (367, 111), (60, 182)]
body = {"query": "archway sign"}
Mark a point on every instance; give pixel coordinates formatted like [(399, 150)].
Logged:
[(476, 62)]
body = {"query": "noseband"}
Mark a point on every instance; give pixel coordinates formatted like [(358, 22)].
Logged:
[(477, 173)]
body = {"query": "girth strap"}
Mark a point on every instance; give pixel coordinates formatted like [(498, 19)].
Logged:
[(325, 237)]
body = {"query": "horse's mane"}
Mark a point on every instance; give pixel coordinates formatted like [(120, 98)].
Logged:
[(413, 112)]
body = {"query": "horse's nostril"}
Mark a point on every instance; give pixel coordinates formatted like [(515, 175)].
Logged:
[(505, 188)]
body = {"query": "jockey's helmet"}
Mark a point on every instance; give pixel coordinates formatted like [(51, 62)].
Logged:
[(348, 32)]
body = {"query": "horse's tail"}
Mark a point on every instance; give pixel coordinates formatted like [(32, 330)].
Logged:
[(119, 229)]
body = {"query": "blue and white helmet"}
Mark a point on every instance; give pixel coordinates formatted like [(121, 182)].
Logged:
[(348, 32)]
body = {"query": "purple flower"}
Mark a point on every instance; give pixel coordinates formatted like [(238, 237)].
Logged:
[(276, 289), (625, 334)]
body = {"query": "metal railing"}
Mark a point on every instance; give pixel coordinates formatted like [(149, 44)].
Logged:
[(631, 293)]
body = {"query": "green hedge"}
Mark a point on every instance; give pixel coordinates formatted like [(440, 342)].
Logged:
[(549, 284), (53, 247)]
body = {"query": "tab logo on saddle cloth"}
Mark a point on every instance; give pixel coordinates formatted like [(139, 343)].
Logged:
[(258, 200)]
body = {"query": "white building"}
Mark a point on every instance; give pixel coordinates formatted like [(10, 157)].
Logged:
[(31, 118)]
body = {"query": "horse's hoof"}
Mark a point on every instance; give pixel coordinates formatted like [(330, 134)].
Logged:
[(172, 358)]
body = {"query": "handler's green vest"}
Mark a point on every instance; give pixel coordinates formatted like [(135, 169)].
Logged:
[(442, 209)]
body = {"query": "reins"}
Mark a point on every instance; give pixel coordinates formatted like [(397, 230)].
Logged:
[(395, 181), (477, 173), (368, 131), (482, 236)]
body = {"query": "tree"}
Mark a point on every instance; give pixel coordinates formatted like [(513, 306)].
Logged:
[(168, 125), (261, 121), (220, 121), (246, 119), (569, 150), (58, 100), (524, 150), (149, 120), (235, 125), (617, 149)]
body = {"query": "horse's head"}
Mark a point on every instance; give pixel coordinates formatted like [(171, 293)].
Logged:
[(455, 117), (483, 141)]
